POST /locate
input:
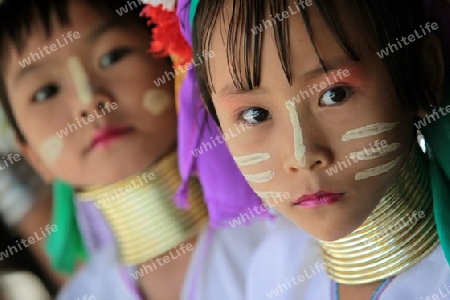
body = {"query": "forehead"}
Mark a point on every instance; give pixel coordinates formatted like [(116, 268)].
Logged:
[(82, 18), (306, 49)]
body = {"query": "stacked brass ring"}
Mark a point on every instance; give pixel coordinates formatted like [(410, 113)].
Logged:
[(143, 217), (387, 245)]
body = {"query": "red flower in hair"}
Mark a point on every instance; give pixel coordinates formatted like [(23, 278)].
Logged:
[(167, 39)]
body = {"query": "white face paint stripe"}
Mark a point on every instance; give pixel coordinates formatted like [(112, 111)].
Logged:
[(157, 102), (367, 131), (251, 159), (377, 170), (81, 80), (299, 145), (268, 195), (50, 150), (260, 177), (376, 152)]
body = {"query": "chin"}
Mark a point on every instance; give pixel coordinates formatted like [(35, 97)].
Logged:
[(329, 232), (331, 237), (113, 173)]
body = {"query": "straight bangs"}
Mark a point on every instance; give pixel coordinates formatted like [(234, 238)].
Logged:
[(375, 22), (19, 17)]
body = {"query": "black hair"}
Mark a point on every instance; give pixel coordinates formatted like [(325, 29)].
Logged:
[(383, 21), (19, 17)]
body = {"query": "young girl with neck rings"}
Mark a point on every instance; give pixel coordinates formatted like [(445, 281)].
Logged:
[(121, 165), (380, 225)]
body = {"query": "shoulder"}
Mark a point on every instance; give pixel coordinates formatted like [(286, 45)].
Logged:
[(220, 262), (431, 276), (286, 243), (287, 265), (101, 277)]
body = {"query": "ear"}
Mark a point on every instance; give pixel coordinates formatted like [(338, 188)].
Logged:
[(36, 161), (434, 68)]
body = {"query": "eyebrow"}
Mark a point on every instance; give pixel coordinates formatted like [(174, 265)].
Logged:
[(332, 64), (231, 90), (28, 69), (102, 29), (90, 38)]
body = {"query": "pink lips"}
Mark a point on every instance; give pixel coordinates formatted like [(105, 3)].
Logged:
[(107, 135), (318, 199)]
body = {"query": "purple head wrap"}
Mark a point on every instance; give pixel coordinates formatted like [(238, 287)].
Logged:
[(226, 191)]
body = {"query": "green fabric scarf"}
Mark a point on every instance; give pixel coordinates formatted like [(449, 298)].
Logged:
[(437, 137), (65, 247)]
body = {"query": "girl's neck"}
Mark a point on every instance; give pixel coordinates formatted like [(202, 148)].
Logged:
[(167, 278), (396, 236), (141, 213)]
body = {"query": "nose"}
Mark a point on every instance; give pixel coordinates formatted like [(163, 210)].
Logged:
[(99, 102), (89, 93), (317, 157), (305, 145)]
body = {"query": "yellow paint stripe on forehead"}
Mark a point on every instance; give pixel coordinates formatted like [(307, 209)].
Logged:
[(81, 80), (367, 131), (377, 170), (251, 159), (260, 177), (299, 144)]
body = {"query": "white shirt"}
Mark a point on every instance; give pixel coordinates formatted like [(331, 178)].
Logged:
[(217, 269), (288, 252)]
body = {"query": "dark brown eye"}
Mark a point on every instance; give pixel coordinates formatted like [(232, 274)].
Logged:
[(113, 57), (255, 115), (45, 92), (335, 96)]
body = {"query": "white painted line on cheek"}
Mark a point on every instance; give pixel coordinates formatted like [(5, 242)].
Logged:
[(268, 195), (157, 102), (367, 131), (260, 177), (299, 144), (50, 150), (81, 80), (376, 153), (251, 159), (377, 170)]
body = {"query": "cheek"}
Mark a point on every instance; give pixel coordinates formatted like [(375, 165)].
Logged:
[(375, 149), (50, 150), (157, 102), (252, 154), (251, 159), (256, 166), (368, 131)]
